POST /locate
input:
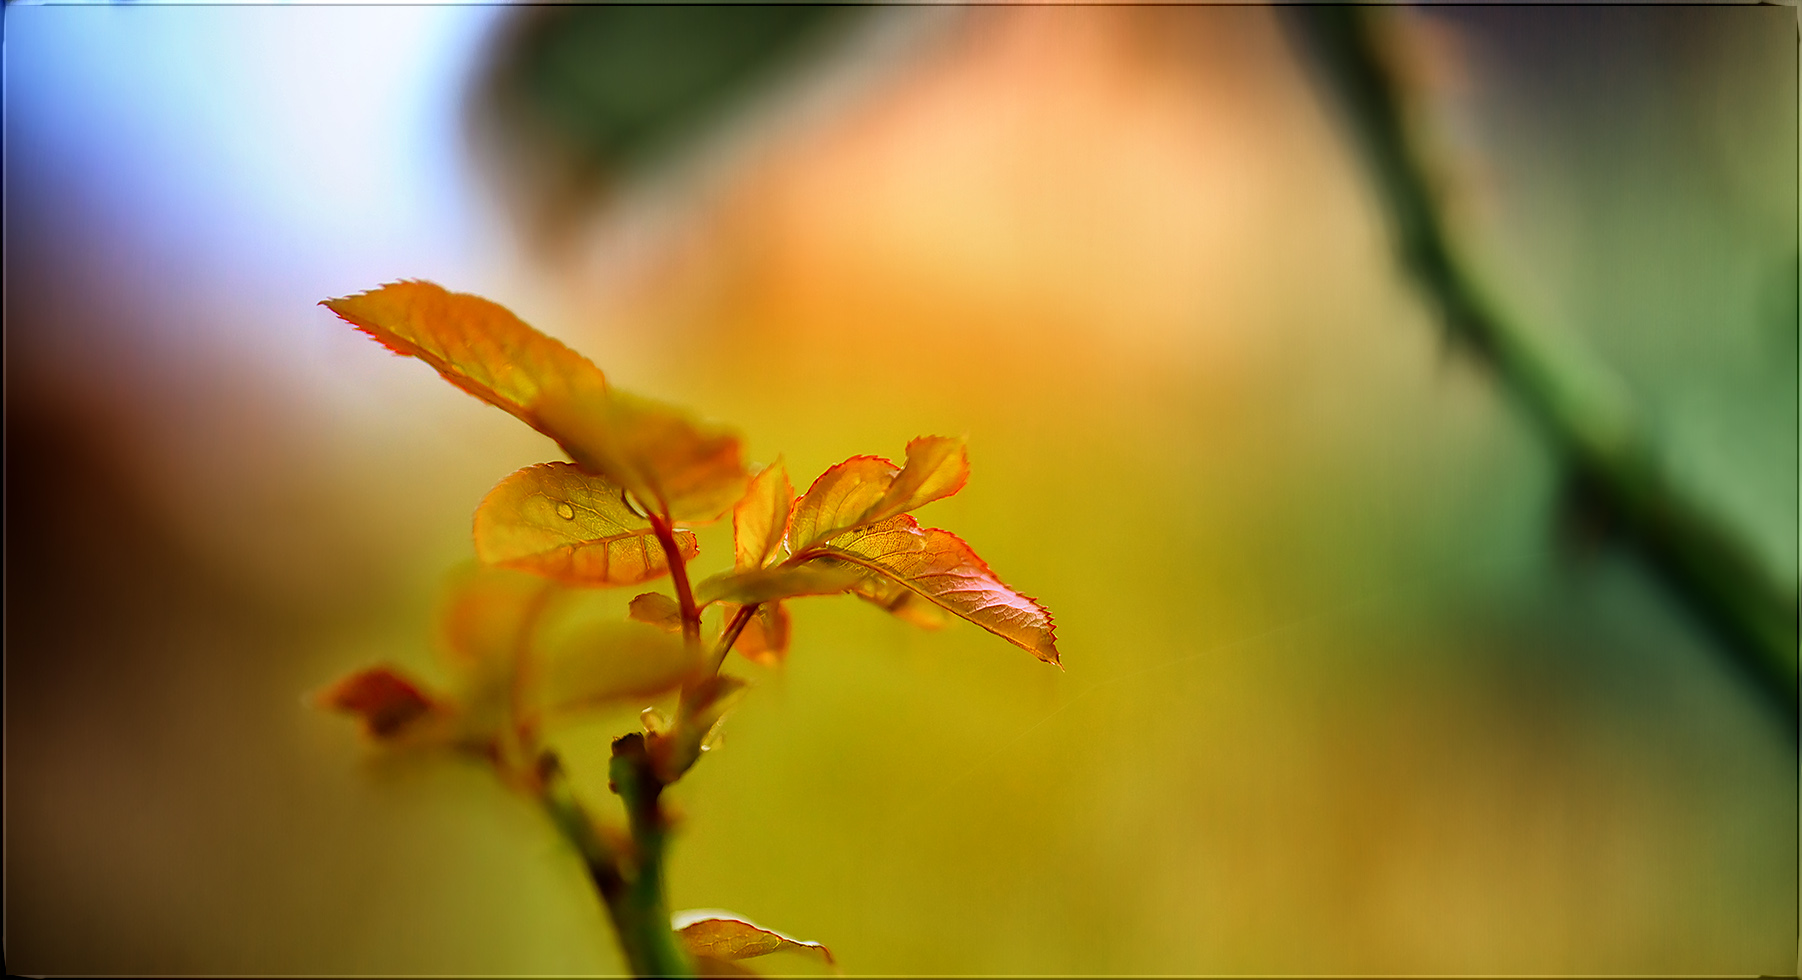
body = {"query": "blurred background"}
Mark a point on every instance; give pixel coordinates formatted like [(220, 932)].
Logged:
[(1340, 697)]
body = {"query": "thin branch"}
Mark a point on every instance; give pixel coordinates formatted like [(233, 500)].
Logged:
[(1581, 411)]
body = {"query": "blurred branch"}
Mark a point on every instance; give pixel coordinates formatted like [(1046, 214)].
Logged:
[(1580, 409), (630, 884)]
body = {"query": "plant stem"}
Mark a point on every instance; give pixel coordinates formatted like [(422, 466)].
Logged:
[(739, 621), (631, 886), (678, 570), (1580, 409)]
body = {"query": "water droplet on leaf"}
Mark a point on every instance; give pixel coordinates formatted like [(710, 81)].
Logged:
[(654, 721), (565, 511)]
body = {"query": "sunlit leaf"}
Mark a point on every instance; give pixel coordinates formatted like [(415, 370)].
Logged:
[(724, 935), (819, 577), (682, 469), (656, 609), (553, 519), (599, 661), (477, 345), (900, 601), (936, 467), (867, 489), (760, 519), (939, 566), (387, 703), (839, 499), (765, 637)]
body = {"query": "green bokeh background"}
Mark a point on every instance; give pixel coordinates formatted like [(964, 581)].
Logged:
[(1339, 698)]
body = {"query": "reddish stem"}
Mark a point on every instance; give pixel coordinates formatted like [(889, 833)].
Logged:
[(678, 571)]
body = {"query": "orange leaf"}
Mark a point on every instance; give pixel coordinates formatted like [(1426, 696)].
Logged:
[(683, 469), (387, 702), (839, 499), (656, 609), (939, 566), (555, 520), (760, 519), (867, 489), (477, 345), (483, 615), (764, 639), (722, 935), (936, 467)]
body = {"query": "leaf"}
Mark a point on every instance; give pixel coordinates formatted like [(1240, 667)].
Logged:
[(838, 500), (555, 520), (477, 345), (760, 518), (867, 489), (385, 701), (483, 615), (722, 935), (683, 469), (936, 467), (817, 577), (900, 601), (484, 625), (765, 637), (589, 664), (656, 609), (939, 566), (703, 705)]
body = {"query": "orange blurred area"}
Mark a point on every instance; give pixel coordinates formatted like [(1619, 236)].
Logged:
[(1339, 696)]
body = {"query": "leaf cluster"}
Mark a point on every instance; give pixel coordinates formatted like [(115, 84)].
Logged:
[(519, 634)]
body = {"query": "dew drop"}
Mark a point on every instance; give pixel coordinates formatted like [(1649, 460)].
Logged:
[(565, 511), (715, 739), (654, 721)]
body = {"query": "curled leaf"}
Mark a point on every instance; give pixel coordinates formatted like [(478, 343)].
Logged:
[(722, 935), (656, 609), (680, 468), (936, 467), (760, 518), (387, 703), (477, 345), (553, 519), (939, 566), (866, 489)]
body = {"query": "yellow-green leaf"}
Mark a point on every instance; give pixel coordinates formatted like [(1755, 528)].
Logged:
[(760, 518), (818, 577), (477, 345), (939, 566), (682, 469), (723, 935), (591, 663), (703, 705), (553, 519), (656, 609)]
